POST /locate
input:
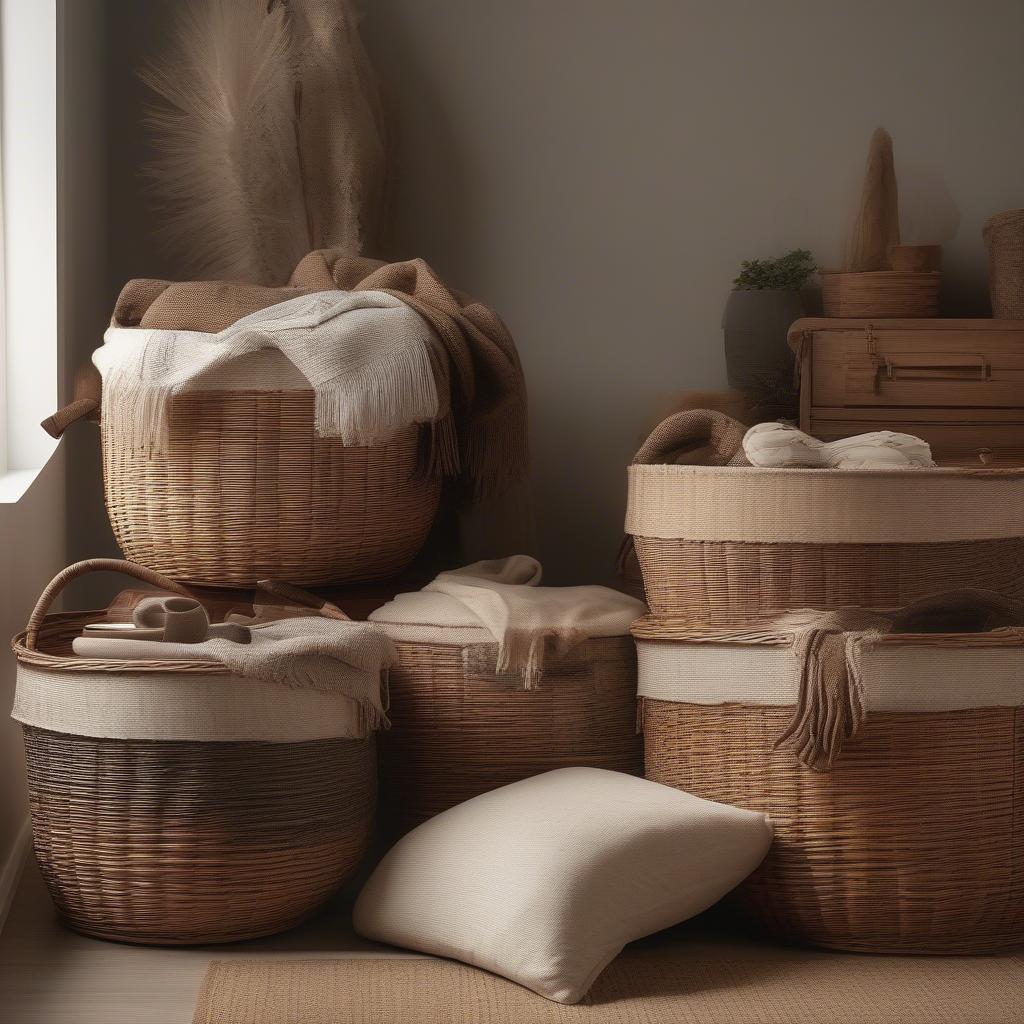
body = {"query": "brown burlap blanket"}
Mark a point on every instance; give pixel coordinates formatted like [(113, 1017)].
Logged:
[(481, 434)]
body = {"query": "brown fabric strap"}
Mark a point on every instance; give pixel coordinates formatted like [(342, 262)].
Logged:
[(87, 392), (694, 436)]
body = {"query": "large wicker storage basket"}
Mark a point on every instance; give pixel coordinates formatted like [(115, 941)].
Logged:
[(178, 841), (459, 730), (721, 544), (913, 842), (245, 489)]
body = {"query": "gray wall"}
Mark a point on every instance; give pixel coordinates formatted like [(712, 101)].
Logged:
[(597, 169)]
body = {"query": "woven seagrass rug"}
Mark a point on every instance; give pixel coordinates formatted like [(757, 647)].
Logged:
[(643, 987)]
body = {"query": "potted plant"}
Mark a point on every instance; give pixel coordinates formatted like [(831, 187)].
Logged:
[(764, 303)]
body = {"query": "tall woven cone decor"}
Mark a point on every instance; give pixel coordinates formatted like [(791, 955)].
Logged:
[(869, 284), (458, 729), (721, 544), (183, 840), (911, 840)]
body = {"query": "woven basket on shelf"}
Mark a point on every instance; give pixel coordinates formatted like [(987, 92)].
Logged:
[(888, 293), (912, 841), (458, 730), (241, 832), (722, 544), (1004, 237)]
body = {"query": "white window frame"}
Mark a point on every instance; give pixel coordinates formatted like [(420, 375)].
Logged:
[(28, 181)]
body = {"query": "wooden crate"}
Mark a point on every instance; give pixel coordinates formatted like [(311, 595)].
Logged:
[(959, 384)]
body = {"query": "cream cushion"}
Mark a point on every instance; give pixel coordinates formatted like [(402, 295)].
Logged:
[(545, 881)]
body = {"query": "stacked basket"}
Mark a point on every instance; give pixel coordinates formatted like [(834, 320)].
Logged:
[(460, 728), (909, 839), (173, 802)]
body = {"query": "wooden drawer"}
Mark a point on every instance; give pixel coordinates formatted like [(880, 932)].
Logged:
[(959, 384)]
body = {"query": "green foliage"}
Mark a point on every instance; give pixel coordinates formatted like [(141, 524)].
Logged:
[(790, 271)]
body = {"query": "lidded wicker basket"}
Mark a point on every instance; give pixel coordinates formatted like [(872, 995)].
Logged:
[(175, 803), (459, 729), (912, 841), (722, 544)]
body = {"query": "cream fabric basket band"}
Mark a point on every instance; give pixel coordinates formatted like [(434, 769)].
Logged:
[(898, 677), (808, 506), (189, 707)]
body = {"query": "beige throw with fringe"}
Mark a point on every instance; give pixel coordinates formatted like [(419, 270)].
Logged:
[(480, 433), (829, 647), (503, 597), (348, 658), (366, 355)]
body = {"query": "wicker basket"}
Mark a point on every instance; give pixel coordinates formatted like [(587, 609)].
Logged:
[(1004, 237), (180, 841), (245, 488), (722, 544), (889, 293), (912, 842), (457, 730)]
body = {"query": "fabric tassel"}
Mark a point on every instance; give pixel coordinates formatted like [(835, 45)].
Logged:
[(362, 410), (830, 701)]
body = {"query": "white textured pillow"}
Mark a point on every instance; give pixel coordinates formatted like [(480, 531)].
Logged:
[(545, 881)]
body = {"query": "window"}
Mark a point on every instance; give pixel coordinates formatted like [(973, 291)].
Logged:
[(28, 181)]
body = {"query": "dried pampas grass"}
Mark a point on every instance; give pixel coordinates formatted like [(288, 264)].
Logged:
[(877, 228), (340, 127), (268, 138)]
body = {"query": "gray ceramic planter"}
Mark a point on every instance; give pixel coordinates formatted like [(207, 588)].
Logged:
[(755, 323)]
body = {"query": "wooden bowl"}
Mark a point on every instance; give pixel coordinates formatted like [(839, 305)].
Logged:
[(915, 258), (889, 293)]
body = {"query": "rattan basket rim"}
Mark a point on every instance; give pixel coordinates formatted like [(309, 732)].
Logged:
[(760, 472), (652, 627), (67, 625)]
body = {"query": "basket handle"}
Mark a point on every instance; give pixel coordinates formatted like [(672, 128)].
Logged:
[(689, 428), (87, 397), (278, 588), (73, 572)]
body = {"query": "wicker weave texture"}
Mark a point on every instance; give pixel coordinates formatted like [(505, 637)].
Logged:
[(893, 293), (1004, 237), (180, 843), (457, 732), (721, 583), (913, 843), (245, 490)]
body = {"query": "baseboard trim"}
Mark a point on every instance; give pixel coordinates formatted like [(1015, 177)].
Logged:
[(12, 869)]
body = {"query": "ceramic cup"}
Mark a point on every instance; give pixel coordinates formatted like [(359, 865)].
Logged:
[(184, 620)]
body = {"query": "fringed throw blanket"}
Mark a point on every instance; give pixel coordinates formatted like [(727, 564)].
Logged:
[(829, 648), (366, 355), (502, 597), (479, 429), (347, 658)]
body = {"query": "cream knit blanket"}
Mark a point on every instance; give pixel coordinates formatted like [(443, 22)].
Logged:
[(347, 658), (503, 597), (366, 355)]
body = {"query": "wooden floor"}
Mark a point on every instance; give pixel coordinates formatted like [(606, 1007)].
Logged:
[(49, 975)]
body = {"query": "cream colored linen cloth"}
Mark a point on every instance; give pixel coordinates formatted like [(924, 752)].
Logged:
[(503, 597), (348, 658), (365, 354)]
